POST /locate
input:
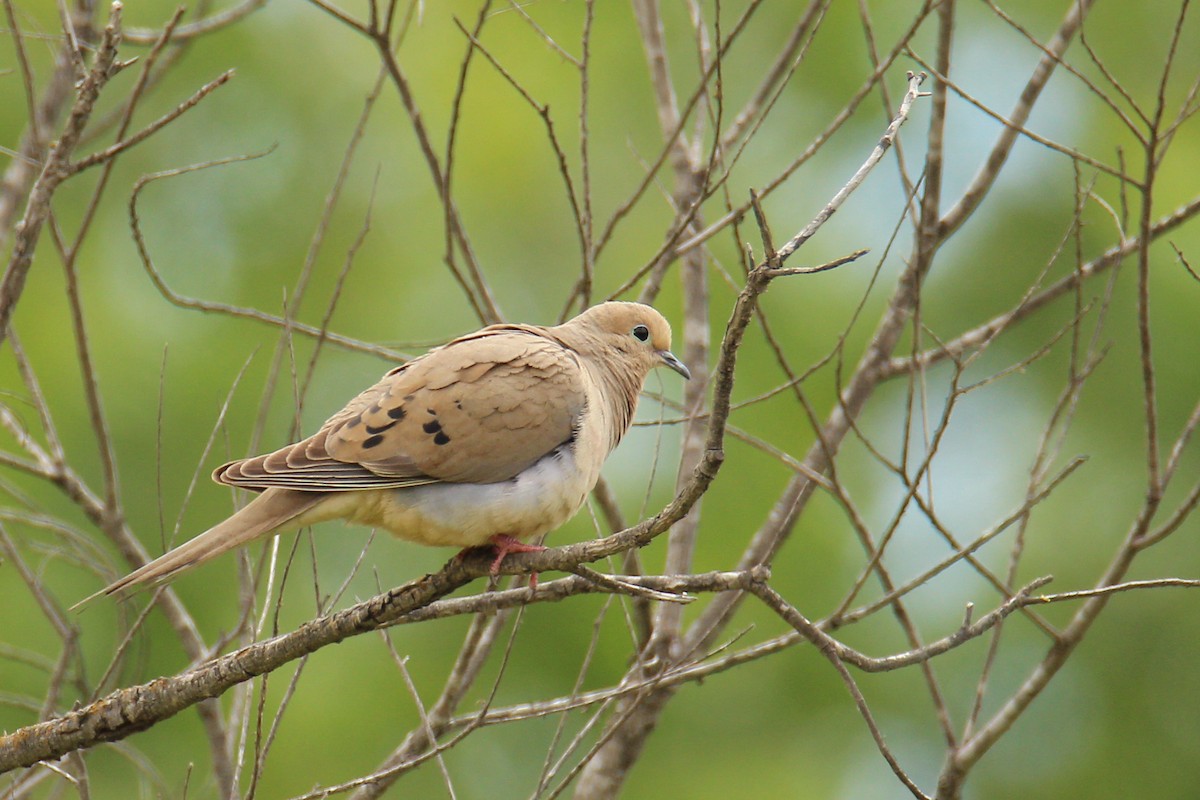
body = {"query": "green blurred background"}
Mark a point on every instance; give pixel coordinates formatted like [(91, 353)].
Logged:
[(1123, 718)]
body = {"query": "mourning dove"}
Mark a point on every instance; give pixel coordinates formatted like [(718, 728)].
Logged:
[(495, 437)]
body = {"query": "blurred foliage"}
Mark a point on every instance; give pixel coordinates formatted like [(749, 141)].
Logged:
[(1121, 720)]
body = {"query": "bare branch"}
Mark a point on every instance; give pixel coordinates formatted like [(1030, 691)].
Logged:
[(128, 711), (56, 169)]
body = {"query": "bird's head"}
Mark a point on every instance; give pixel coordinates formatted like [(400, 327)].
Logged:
[(634, 333)]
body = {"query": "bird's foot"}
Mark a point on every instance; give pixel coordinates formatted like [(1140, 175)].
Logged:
[(505, 544)]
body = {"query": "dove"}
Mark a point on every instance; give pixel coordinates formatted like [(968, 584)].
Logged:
[(494, 438)]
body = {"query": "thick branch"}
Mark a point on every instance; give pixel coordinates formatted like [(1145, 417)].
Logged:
[(128, 711)]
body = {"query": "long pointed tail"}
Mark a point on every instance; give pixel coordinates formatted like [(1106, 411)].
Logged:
[(271, 510)]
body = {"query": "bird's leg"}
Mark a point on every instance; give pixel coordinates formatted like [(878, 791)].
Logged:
[(505, 544)]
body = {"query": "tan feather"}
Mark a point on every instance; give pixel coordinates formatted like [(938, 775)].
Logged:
[(268, 512)]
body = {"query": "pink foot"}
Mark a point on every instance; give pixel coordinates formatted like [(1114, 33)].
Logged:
[(505, 544)]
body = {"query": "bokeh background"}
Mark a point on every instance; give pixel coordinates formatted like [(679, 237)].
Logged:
[(1121, 720)]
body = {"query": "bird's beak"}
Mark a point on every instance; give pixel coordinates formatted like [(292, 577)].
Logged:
[(670, 360)]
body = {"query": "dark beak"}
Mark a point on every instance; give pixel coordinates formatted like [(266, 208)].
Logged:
[(669, 360)]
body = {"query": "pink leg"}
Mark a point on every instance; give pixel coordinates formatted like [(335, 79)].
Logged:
[(505, 544)]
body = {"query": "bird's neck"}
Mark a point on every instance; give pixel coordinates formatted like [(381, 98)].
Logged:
[(620, 379), (621, 390)]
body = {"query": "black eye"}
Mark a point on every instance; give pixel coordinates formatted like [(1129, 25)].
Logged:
[(641, 333)]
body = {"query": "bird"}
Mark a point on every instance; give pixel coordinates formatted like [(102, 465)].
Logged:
[(494, 438)]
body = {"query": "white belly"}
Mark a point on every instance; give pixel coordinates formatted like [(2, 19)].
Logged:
[(536, 501)]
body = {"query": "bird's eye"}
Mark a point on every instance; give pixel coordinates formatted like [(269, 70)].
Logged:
[(641, 333)]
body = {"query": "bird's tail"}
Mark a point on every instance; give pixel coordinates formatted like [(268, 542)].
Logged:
[(271, 510)]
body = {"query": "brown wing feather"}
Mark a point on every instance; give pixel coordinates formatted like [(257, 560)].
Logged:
[(479, 409)]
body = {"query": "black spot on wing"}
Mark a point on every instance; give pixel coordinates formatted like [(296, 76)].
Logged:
[(372, 441), (373, 429), (441, 438), (398, 413), (432, 426)]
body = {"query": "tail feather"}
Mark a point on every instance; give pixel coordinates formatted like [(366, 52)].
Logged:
[(267, 513)]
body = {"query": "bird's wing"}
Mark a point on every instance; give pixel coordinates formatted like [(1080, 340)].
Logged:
[(480, 409)]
